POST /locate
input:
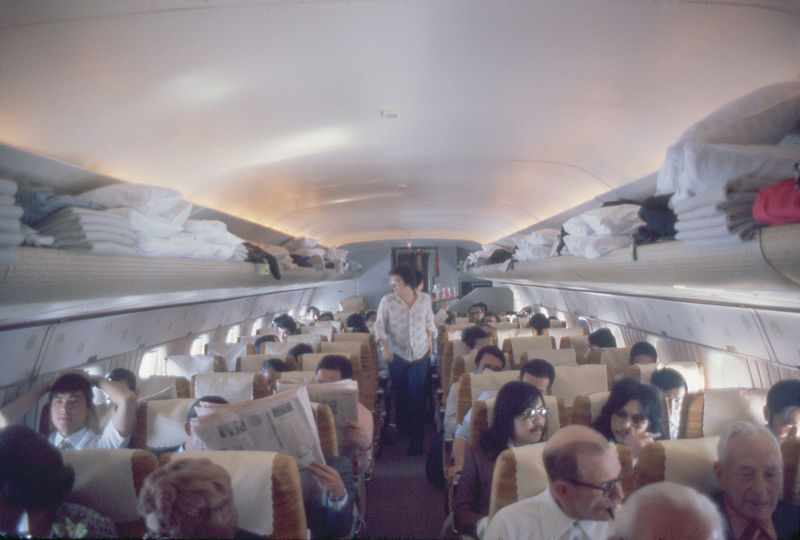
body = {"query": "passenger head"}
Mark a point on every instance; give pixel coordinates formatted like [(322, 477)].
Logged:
[(286, 326), (123, 375), (475, 337), (643, 353), (332, 368), (476, 312), (300, 349), (401, 278), (539, 322), (602, 339), (192, 442), (32, 476), (749, 470), (540, 373), (325, 316), (673, 387), (356, 322), (271, 368), (490, 317), (668, 511), (188, 498), (519, 418), (267, 338), (782, 411), (584, 473), (370, 317), (70, 403), (632, 407), (490, 358)]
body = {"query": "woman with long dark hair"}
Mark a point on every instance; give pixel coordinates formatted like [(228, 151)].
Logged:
[(519, 418), (632, 416)]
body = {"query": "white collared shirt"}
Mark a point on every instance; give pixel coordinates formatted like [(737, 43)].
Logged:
[(86, 438), (540, 518), (405, 328)]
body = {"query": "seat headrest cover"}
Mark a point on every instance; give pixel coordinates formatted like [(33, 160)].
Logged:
[(165, 422), (722, 406), (690, 462), (231, 386), (104, 482)]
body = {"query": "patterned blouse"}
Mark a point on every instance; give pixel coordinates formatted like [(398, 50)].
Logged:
[(405, 329), (76, 521)]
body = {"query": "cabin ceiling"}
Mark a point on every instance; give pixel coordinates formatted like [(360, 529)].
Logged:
[(353, 121)]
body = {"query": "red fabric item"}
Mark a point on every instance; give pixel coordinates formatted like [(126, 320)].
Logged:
[(778, 204)]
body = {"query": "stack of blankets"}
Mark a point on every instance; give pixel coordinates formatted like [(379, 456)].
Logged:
[(10, 225), (599, 231), (97, 231), (535, 245)]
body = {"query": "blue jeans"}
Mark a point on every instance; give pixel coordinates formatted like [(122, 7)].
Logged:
[(408, 388)]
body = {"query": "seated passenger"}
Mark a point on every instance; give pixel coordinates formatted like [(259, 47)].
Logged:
[(643, 352), (312, 313), (490, 317), (370, 317), (673, 387), (286, 326), (750, 476), (668, 511), (266, 338), (539, 322), (490, 358), (69, 409), (123, 375), (33, 484), (192, 442), (476, 312), (356, 323), (325, 316), (582, 494), (271, 368), (632, 416), (190, 498), (782, 410), (537, 372), (602, 339), (519, 418)]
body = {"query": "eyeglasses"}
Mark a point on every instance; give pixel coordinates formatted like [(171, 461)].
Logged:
[(532, 412), (637, 420), (606, 488)]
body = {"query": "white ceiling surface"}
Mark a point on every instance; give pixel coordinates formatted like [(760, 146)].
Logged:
[(509, 111)]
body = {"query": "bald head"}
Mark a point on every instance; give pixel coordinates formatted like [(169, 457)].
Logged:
[(667, 511), (560, 452)]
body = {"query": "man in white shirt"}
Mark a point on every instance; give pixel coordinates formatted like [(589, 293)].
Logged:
[(582, 496)]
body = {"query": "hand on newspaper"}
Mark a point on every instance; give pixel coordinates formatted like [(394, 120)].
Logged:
[(328, 479), (357, 435)]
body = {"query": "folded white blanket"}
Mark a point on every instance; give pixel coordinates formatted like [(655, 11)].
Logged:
[(11, 239), (745, 231), (11, 212), (738, 190), (149, 224), (728, 219), (10, 225), (84, 216), (179, 245), (84, 237), (68, 229), (532, 253), (7, 200), (739, 202), (8, 187)]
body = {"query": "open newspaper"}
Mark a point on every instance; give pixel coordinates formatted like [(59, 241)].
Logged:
[(340, 396), (281, 423)]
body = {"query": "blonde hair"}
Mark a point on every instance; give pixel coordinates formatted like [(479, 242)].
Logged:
[(192, 499)]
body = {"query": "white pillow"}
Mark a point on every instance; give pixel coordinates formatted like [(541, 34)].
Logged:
[(614, 220), (576, 226), (149, 224), (147, 199)]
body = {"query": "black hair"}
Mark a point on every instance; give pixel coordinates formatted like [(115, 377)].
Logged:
[(624, 391), (336, 362), (481, 305), (286, 322), (405, 273), (357, 322), (471, 334), (205, 399), (268, 338), (299, 349), (369, 314), (275, 363), (667, 379), (419, 277), (539, 322), (782, 395), (602, 338), (644, 348), (314, 308), (512, 400), (490, 349), (491, 314), (33, 475), (325, 316), (73, 382), (538, 368), (121, 374)]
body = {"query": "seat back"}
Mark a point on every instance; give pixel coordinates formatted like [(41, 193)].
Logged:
[(229, 352), (463, 363), (186, 365), (252, 363), (326, 427), (322, 330), (503, 335), (452, 349), (707, 413), (528, 343), (279, 350), (558, 333), (482, 414), (686, 461), (519, 473), (642, 372), (471, 385), (557, 324), (572, 381), (586, 408), (266, 331), (108, 481), (160, 424), (368, 378), (556, 357), (618, 358), (163, 387), (314, 340), (266, 490), (232, 386), (579, 343)]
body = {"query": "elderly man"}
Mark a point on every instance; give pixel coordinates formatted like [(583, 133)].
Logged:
[(582, 496), (750, 474), (667, 511)]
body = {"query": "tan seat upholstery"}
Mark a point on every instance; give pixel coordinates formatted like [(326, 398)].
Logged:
[(326, 427), (685, 461), (642, 372), (368, 378), (556, 357), (482, 413), (279, 350), (186, 365), (557, 324), (618, 358), (462, 364), (252, 363), (790, 449), (579, 343), (503, 336), (452, 349), (266, 490), (572, 381), (314, 340), (470, 386), (109, 481), (558, 333), (322, 330), (232, 386), (228, 352), (528, 343), (586, 408), (706, 414), (160, 424), (519, 473), (163, 387), (266, 331)]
